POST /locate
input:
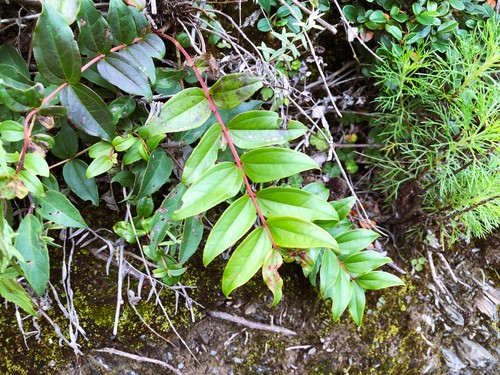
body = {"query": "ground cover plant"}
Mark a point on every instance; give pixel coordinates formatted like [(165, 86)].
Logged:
[(93, 105)]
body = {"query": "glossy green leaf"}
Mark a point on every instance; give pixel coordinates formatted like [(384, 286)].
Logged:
[(68, 9), (66, 142), (343, 206), (260, 128), (191, 238), (36, 164), (140, 61), (88, 112), (278, 201), (221, 182), (318, 189), (56, 52), (364, 261), (58, 209), (378, 280), (121, 72), (153, 45), (74, 173), (425, 18), (11, 57), (395, 31), (17, 92), (35, 263), (13, 292), (101, 148), (32, 182), (100, 165), (11, 131), (188, 109), (271, 276), (246, 260), (357, 304), (329, 271), (163, 215), (121, 22), (355, 240), (157, 173), (125, 230), (236, 220), (233, 89), (457, 4), (122, 144), (94, 35), (342, 292), (293, 232), (145, 207), (271, 164), (204, 155)]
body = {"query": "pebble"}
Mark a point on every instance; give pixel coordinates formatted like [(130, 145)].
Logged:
[(474, 353)]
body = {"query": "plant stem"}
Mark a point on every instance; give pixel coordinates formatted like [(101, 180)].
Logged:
[(229, 141)]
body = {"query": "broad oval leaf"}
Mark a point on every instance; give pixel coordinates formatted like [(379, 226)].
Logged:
[(121, 22), (355, 240), (68, 9), (140, 60), (13, 292), (11, 131), (191, 238), (157, 173), (88, 112), (342, 292), (32, 182), (36, 164), (271, 164), (122, 72), (233, 89), (343, 206), (231, 226), (278, 201), (94, 36), (208, 191), (329, 271), (153, 45), (246, 260), (99, 165), (365, 261), (271, 276), (58, 209), (260, 129), (188, 109), (357, 304), (55, 50), (204, 155), (292, 232), (378, 280), (33, 249), (11, 57), (74, 174)]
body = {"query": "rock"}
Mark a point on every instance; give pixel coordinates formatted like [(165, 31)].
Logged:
[(453, 314), (452, 361), (474, 353)]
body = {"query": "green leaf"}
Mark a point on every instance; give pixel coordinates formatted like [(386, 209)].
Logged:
[(94, 35), (100, 165), (74, 173), (204, 155), (145, 207), (14, 293), (271, 276), (426, 19), (447, 26), (56, 52), (153, 45), (355, 240), (357, 304), (125, 230), (378, 280), (318, 189), (100, 149), (278, 201), (233, 89), (231, 226), (246, 260), (395, 31), (457, 4), (328, 273), (342, 292), (68, 9), (350, 13), (191, 238), (293, 232), (378, 17), (208, 191), (271, 164), (57, 208), (188, 109), (121, 22), (36, 164), (364, 261), (141, 61), (122, 144), (163, 216), (88, 112), (11, 57), (343, 206), (260, 128), (157, 173), (66, 142), (35, 263), (11, 131), (125, 74), (32, 182)]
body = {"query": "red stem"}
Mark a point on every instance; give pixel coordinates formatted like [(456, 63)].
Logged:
[(229, 141)]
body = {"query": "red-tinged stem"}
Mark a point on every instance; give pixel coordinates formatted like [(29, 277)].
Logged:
[(31, 116), (345, 269), (229, 141)]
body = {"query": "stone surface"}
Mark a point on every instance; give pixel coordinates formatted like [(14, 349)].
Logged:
[(452, 361), (475, 354)]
